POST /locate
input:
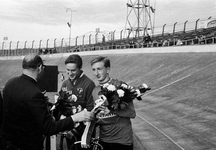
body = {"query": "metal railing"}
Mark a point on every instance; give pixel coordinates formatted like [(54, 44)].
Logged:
[(191, 42), (21, 52), (95, 41)]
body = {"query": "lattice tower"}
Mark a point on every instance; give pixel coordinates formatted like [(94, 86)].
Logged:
[(140, 18)]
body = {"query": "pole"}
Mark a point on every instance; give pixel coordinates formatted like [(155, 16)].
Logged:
[(70, 24)]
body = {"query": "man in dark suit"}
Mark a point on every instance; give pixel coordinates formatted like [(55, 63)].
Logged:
[(26, 117)]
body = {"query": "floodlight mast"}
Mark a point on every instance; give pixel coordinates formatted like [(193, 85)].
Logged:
[(70, 24), (139, 21)]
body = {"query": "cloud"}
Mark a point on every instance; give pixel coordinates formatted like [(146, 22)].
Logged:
[(41, 12), (53, 12)]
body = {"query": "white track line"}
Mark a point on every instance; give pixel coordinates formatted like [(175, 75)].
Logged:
[(165, 87), (161, 132)]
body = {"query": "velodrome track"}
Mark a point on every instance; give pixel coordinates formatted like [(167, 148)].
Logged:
[(179, 112)]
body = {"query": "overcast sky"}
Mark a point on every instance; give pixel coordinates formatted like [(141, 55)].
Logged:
[(27, 20)]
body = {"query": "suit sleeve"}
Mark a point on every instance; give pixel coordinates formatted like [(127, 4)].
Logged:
[(39, 110)]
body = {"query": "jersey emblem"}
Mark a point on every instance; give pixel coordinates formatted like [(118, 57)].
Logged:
[(80, 91)]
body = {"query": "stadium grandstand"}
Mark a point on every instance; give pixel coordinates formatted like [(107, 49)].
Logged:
[(203, 32)]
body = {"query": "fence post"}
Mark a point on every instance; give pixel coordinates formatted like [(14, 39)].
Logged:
[(25, 45), (196, 24), (163, 29), (174, 28), (40, 44), (114, 35), (32, 45), (185, 26), (90, 39), (83, 40), (47, 43), (9, 52), (17, 48), (3, 46), (96, 38), (55, 43), (62, 45), (121, 35)]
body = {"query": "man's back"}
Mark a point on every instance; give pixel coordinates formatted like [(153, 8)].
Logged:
[(20, 121)]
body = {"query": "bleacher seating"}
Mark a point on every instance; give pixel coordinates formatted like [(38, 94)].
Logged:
[(180, 38)]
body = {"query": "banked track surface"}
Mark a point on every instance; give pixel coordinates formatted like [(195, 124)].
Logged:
[(179, 112)]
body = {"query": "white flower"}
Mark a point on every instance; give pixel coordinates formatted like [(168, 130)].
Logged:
[(124, 86), (145, 85), (105, 85), (79, 108), (74, 98), (74, 110), (120, 92), (111, 88), (138, 92)]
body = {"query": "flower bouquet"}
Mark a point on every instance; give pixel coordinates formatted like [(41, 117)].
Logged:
[(119, 94), (64, 103)]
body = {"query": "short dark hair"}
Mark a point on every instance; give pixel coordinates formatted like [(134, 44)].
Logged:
[(105, 60), (75, 58), (31, 61)]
